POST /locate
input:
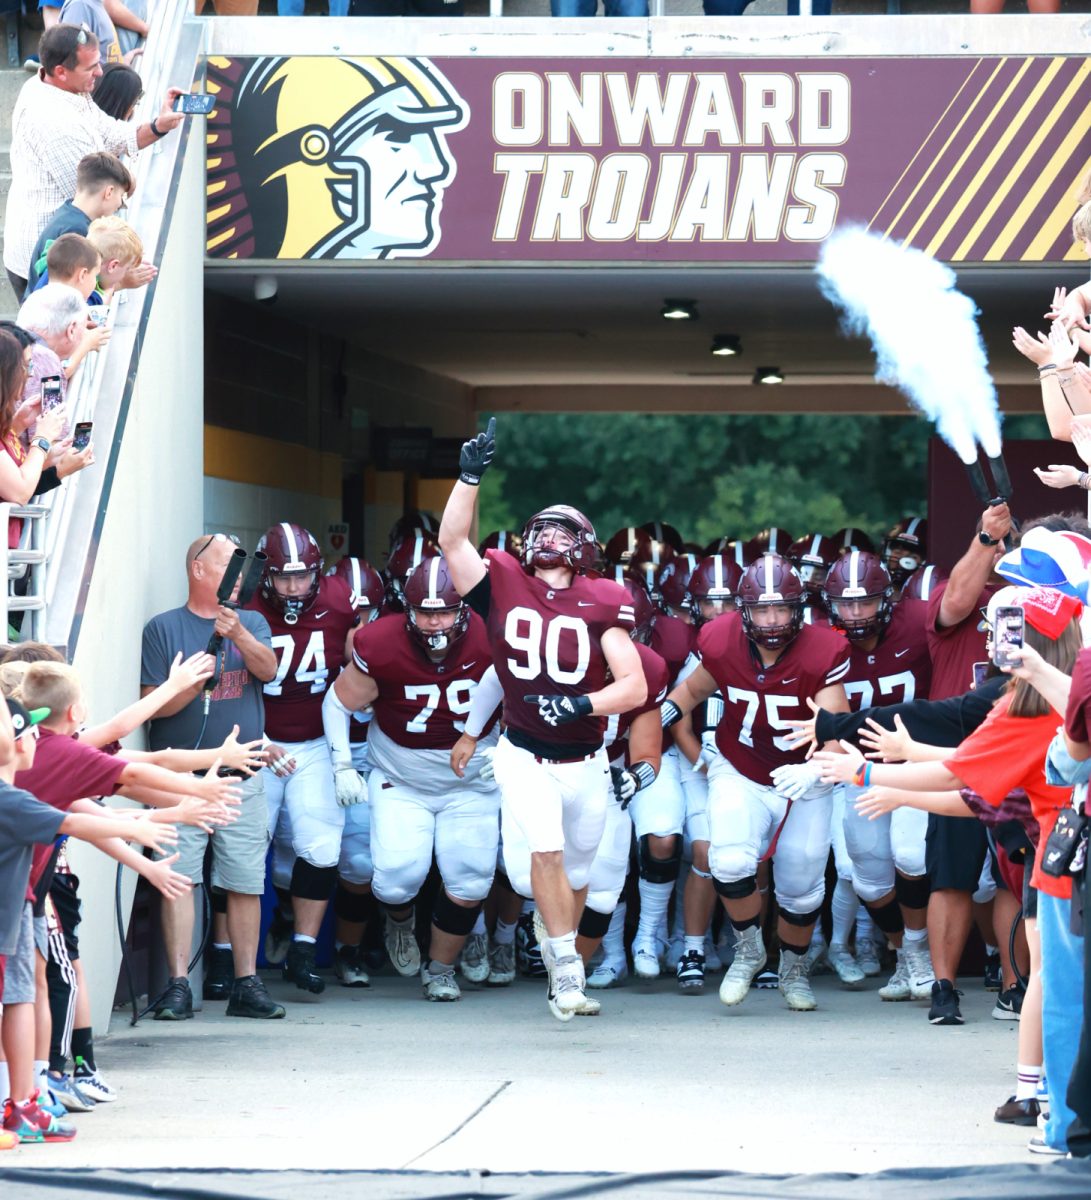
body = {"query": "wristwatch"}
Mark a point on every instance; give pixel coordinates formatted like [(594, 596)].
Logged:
[(985, 540), (43, 444)]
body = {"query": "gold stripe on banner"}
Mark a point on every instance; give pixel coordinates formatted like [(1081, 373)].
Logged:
[(962, 158), (1055, 225), (1005, 139), (943, 149), (1062, 214), (920, 149), (1035, 193)]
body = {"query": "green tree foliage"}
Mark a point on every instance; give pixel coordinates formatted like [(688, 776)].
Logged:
[(714, 475)]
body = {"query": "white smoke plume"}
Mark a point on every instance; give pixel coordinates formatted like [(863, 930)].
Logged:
[(924, 333)]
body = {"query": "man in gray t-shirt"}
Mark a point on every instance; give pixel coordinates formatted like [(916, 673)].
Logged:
[(244, 663)]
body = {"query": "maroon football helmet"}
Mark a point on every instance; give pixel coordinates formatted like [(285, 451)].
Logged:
[(365, 585), (659, 531), (412, 523), (905, 548), (643, 609), (771, 580), (859, 575), (715, 578), (812, 556), (403, 558), (853, 539), (290, 550), (922, 582), (503, 539), (648, 575), (769, 541), (580, 556), (429, 589), (624, 544), (673, 582)]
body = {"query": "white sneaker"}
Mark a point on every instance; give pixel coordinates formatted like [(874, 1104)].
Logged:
[(474, 960), (541, 934), (501, 964), (646, 961), (590, 1007), (608, 975), (794, 985), (816, 957), (898, 986), (845, 966), (92, 1085), (749, 960), (566, 984), (867, 956), (440, 986), (918, 967), (401, 947)]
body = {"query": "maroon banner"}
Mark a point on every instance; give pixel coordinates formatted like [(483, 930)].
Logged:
[(970, 160)]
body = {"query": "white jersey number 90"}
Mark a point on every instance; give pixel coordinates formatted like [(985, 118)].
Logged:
[(523, 632)]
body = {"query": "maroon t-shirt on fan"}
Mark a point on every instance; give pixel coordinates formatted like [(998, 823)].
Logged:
[(657, 677), (955, 648), (899, 669), (421, 704), (310, 655), (759, 701), (1076, 718), (548, 641), (66, 770)]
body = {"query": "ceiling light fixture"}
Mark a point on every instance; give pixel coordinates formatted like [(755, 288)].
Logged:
[(725, 345), (679, 310), (768, 375)]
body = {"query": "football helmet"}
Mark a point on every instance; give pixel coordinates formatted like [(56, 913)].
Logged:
[(290, 550), (579, 556), (624, 544), (853, 539), (715, 578), (405, 555), (503, 539), (365, 585), (922, 582), (769, 541), (812, 556), (905, 548), (429, 588), (648, 575), (672, 584), (643, 609), (411, 523), (659, 531), (771, 580), (859, 576)]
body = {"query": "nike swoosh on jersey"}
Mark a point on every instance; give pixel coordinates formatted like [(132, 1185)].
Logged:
[(467, 666), (899, 653), (792, 680), (319, 616), (585, 604)]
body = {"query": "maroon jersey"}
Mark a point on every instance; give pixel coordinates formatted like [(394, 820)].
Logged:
[(759, 701), (421, 704), (310, 655), (548, 641), (673, 640), (657, 677), (899, 669)]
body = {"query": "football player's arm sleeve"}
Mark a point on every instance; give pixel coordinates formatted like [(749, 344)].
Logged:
[(335, 725), (479, 597), (487, 697)]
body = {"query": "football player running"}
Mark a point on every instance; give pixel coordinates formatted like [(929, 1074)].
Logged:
[(310, 616), (418, 673), (556, 638), (764, 799)]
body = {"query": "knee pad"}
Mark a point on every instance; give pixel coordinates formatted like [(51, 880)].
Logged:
[(218, 900), (731, 862), (452, 918), (351, 906), (801, 919), (912, 892), (659, 870), (594, 924), (737, 889), (887, 917), (867, 886), (312, 883)]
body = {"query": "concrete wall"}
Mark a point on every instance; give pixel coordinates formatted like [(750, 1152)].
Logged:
[(155, 511)]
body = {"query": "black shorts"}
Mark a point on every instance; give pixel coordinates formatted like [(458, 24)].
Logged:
[(63, 893), (1030, 892), (955, 853)]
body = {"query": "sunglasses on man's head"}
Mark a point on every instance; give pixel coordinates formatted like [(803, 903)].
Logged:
[(217, 537)]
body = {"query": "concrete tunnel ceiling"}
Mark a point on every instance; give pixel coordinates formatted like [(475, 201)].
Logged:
[(517, 327)]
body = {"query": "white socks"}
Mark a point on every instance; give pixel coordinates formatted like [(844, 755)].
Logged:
[(504, 934), (1026, 1080), (654, 898), (613, 944), (845, 907), (479, 924), (915, 935), (564, 946)]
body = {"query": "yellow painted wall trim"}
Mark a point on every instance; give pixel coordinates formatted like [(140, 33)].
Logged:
[(265, 462)]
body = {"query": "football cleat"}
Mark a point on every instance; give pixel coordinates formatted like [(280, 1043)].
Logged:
[(401, 947), (918, 967), (691, 973), (749, 960), (299, 968), (867, 956), (439, 986), (897, 987), (348, 966), (501, 964), (528, 951), (645, 961), (566, 987), (845, 966), (795, 987), (474, 961), (608, 975)]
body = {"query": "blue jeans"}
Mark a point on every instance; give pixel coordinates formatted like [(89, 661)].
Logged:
[(588, 8), (735, 8), (1062, 1009), (294, 8)]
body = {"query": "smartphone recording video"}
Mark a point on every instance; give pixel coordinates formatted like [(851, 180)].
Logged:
[(194, 104), (1008, 629), (81, 436)]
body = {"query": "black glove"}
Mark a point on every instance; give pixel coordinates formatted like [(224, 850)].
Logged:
[(628, 781), (477, 454), (559, 710)]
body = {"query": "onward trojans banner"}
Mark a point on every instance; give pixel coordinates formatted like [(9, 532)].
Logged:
[(484, 160)]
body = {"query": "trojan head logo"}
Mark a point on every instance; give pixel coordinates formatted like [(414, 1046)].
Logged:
[(329, 158)]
